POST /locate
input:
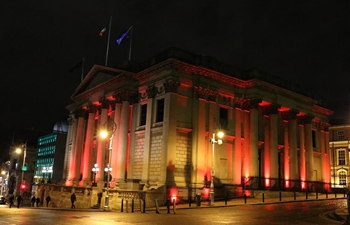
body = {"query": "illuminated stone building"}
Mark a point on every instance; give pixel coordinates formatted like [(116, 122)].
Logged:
[(340, 147), (166, 110)]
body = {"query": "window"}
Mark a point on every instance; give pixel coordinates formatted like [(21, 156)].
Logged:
[(340, 134), (314, 139), (342, 178), (341, 157), (223, 117), (143, 114), (160, 110)]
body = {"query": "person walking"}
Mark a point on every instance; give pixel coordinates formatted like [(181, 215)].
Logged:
[(11, 199), (73, 198), (37, 201), (19, 200), (48, 199), (32, 201)]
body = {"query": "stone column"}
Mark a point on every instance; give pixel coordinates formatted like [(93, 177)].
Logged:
[(198, 139), (122, 140), (115, 157), (78, 145), (253, 140), (237, 155), (274, 143), (309, 160), (88, 162), (168, 154), (101, 144), (286, 154), (293, 155), (267, 161), (302, 153), (67, 174)]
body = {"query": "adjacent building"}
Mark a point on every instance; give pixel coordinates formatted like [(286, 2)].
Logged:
[(50, 154), (168, 108), (339, 145)]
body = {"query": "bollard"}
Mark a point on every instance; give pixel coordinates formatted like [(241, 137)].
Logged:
[(295, 196), (127, 205), (245, 198), (306, 195), (316, 195), (335, 194), (132, 205), (327, 194), (174, 206), (198, 199), (226, 198), (189, 201), (344, 194), (144, 206), (122, 206), (263, 197), (168, 205), (280, 196), (157, 207)]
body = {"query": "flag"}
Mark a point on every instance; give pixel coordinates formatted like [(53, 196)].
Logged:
[(104, 29), (76, 66), (119, 40)]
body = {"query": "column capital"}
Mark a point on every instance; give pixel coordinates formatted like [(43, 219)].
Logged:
[(171, 85), (126, 95), (205, 93), (104, 103), (305, 119), (271, 109), (289, 115), (251, 103), (151, 91)]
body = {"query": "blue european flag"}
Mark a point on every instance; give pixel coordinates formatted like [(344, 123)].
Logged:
[(119, 40)]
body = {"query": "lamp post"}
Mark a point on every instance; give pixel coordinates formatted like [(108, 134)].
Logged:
[(109, 128), (214, 141), (95, 170), (18, 151)]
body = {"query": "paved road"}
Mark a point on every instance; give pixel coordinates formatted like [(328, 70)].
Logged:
[(308, 212)]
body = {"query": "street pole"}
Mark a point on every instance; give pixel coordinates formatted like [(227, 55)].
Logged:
[(106, 208), (24, 160), (212, 192)]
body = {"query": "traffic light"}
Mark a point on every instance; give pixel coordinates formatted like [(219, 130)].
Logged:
[(23, 186)]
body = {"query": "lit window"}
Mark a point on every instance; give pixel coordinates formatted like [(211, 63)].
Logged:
[(340, 134), (341, 157), (342, 178)]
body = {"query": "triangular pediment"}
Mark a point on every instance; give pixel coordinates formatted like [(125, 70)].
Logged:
[(97, 76)]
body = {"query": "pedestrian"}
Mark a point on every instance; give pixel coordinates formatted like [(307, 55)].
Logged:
[(11, 199), (19, 200), (48, 199), (37, 201), (32, 201), (73, 199)]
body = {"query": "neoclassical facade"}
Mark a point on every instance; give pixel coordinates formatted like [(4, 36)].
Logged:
[(166, 110)]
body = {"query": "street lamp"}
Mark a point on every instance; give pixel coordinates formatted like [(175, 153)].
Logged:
[(109, 128), (214, 141), (19, 151), (95, 170)]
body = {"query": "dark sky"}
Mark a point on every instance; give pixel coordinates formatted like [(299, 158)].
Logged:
[(306, 42)]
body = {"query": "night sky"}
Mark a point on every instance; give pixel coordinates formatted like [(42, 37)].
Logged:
[(306, 42)]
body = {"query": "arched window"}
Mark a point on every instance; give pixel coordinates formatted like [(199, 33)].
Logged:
[(342, 178)]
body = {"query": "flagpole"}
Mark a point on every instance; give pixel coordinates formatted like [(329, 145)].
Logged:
[(109, 36), (130, 43), (82, 69)]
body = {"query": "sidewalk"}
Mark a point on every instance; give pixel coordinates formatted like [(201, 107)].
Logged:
[(222, 203)]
